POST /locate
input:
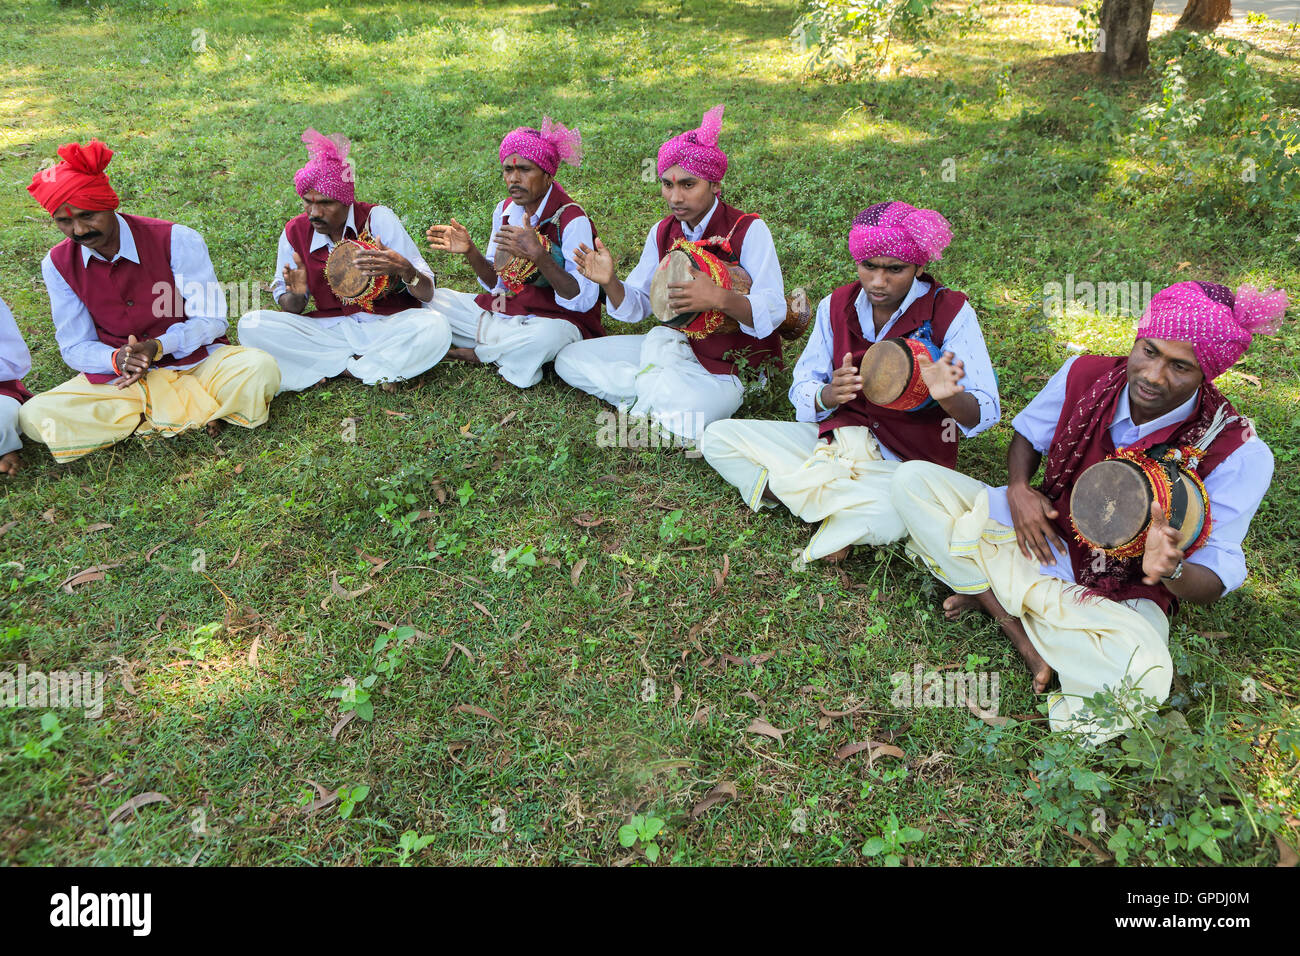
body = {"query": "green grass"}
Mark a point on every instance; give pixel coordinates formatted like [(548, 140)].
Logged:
[(425, 91)]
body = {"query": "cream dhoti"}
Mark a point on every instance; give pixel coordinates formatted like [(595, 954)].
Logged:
[(844, 483), (1092, 643), (655, 376), (232, 384), (519, 345), (390, 348)]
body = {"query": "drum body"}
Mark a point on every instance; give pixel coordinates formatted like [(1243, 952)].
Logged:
[(349, 284), (891, 374), (1110, 505), (677, 267)]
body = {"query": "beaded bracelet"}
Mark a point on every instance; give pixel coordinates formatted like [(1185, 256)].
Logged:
[(113, 361)]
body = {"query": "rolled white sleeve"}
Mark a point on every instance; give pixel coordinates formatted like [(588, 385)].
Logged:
[(966, 342), (74, 329), (767, 293), (636, 287), (1235, 488), (1037, 423), (15, 359), (576, 233), (205, 299), (283, 259), (490, 253), (813, 371)]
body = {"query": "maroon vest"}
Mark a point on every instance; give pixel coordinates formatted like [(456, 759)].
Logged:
[(910, 435), (537, 299), (125, 298), (300, 232), (1083, 374), (15, 389), (722, 352)]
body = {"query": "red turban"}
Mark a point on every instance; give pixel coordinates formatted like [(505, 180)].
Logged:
[(78, 180)]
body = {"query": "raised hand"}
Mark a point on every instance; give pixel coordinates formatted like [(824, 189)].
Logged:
[(1032, 516), (453, 238), (845, 383), (943, 377), (295, 276), (1162, 554), (595, 264)]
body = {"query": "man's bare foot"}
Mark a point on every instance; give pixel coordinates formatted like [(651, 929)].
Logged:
[(11, 463), (215, 427), (835, 557), (389, 387), (958, 605), (768, 496), (1038, 668), (464, 355)]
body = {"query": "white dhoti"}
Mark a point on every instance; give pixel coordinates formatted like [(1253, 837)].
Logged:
[(1091, 643), (11, 438), (845, 484), (390, 348), (518, 345), (654, 376)]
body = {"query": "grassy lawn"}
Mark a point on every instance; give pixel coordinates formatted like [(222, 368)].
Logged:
[(616, 665)]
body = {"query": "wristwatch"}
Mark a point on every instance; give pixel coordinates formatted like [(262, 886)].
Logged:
[(1178, 573)]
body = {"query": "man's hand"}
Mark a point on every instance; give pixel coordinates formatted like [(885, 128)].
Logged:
[(698, 295), (134, 360), (845, 384), (595, 264), (520, 242), (1032, 515), (383, 261), (453, 238), (295, 277), (1162, 554), (943, 377)]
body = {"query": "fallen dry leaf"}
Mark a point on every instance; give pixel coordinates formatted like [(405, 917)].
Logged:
[(476, 711), (726, 790), (95, 573), (325, 798), (874, 749), (394, 414), (1286, 854), (238, 552), (509, 418), (239, 469), (720, 576), (588, 521), (701, 715), (342, 722), (452, 653), (135, 803), (127, 684), (48, 515), (252, 652), (340, 591), (1103, 855), (97, 526), (576, 571), (7, 527), (483, 609), (677, 693), (990, 718), (760, 726), (148, 555), (1250, 378), (157, 625), (1181, 266)]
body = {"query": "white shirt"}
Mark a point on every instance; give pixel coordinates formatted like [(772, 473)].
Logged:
[(576, 233), (964, 339), (15, 359), (1235, 488), (757, 257), (384, 226), (196, 280)]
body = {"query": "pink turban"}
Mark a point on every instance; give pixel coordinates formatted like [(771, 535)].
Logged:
[(697, 151), (916, 236), (545, 147), (328, 172), (1218, 324), (79, 179)]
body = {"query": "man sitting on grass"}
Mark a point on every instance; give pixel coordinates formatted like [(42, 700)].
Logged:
[(681, 382), (1012, 552), (834, 465), (15, 362), (537, 302), (396, 338), (139, 313)]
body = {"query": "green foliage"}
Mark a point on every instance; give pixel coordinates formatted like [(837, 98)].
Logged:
[(845, 38), (38, 749), (642, 829), (891, 845), (349, 797), (673, 527), (385, 658)]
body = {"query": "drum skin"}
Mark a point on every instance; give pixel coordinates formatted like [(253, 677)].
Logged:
[(891, 374), (1110, 505), (345, 278), (677, 267)]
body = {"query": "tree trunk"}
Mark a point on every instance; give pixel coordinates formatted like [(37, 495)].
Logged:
[(1204, 15), (1123, 40)]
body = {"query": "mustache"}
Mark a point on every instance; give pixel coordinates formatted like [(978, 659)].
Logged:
[(87, 237), (317, 222)]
